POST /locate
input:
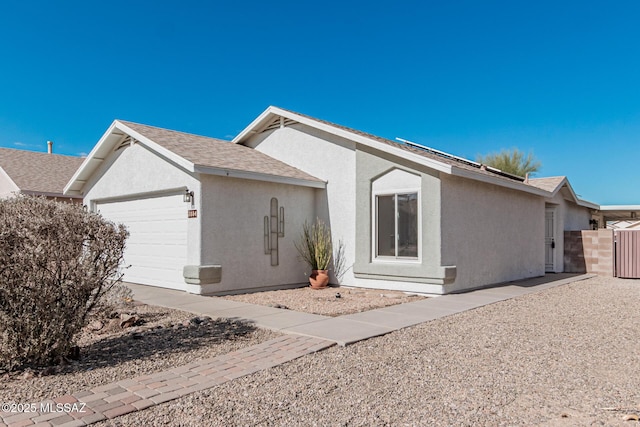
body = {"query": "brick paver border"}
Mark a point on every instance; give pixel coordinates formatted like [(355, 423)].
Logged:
[(122, 397)]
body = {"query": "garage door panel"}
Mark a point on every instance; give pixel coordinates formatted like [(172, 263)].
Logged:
[(153, 238), (157, 244)]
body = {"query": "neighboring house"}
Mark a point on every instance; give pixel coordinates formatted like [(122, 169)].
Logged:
[(34, 173), (210, 216)]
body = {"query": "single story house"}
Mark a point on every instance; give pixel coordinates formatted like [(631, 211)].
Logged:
[(210, 216), (37, 174)]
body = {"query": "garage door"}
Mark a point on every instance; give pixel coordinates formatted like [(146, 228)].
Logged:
[(157, 245)]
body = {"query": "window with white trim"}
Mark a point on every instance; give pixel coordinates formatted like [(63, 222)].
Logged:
[(396, 225)]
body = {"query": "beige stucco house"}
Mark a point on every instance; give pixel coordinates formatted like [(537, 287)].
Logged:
[(34, 173), (210, 216)]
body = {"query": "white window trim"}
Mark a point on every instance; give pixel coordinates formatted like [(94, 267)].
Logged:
[(374, 224)]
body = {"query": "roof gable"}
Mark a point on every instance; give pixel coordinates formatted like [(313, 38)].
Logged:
[(557, 184), (194, 153), (38, 173), (274, 117)]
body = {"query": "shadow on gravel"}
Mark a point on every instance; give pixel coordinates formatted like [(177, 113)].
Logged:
[(527, 283), (139, 343)]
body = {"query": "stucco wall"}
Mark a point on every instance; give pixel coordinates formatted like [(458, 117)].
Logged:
[(568, 217), (577, 218), (135, 171), (491, 234), (233, 232), (424, 275), (331, 159), (7, 187)]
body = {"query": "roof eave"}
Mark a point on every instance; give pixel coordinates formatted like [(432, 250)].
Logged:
[(514, 185), (168, 154), (272, 112), (49, 194), (256, 176), (105, 147), (588, 204)]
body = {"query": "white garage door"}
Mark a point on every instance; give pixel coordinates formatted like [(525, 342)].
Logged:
[(157, 244)]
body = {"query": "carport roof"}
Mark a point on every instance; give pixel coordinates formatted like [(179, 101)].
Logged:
[(194, 153), (38, 173), (620, 212)]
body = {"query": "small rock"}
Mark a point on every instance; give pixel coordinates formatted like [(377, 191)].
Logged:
[(28, 375), (96, 325)]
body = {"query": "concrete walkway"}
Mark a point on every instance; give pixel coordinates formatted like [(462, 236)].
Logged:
[(351, 328), (305, 334)]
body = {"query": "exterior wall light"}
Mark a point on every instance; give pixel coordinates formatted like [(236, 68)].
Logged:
[(188, 196)]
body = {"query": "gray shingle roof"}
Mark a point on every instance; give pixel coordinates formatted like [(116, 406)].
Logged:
[(216, 153), (36, 172), (548, 184), (449, 160)]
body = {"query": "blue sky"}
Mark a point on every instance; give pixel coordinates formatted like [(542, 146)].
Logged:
[(560, 79)]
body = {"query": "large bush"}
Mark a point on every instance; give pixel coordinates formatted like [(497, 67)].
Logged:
[(56, 262)]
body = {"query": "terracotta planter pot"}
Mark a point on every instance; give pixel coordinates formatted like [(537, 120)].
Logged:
[(319, 279)]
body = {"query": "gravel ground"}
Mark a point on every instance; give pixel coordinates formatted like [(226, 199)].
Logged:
[(168, 338), (563, 357), (161, 341), (324, 301)]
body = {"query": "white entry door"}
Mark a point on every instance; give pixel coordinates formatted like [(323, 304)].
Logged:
[(549, 240), (157, 244)]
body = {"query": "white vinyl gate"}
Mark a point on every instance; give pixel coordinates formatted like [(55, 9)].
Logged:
[(157, 245)]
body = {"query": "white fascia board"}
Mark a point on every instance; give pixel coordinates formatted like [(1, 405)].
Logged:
[(14, 187), (271, 112), (578, 201), (46, 194), (91, 163), (514, 185), (180, 161), (255, 124), (233, 173), (590, 205)]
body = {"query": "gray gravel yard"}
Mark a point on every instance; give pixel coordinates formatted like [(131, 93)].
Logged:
[(167, 339), (561, 357)]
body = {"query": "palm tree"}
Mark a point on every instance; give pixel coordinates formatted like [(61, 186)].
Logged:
[(511, 161)]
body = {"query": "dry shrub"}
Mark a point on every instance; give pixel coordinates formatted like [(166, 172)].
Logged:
[(56, 263)]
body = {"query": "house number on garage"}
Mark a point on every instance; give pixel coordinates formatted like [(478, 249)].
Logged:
[(192, 213)]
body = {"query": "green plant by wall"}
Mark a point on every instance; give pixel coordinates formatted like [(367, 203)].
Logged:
[(314, 245)]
